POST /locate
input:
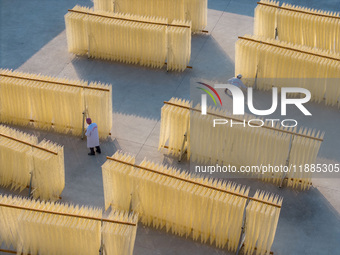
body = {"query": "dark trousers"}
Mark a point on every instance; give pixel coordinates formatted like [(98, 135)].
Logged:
[(97, 150)]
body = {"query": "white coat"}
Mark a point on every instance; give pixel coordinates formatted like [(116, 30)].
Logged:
[(92, 135), (237, 82)]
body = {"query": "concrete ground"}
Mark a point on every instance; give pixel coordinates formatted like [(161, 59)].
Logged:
[(33, 39)]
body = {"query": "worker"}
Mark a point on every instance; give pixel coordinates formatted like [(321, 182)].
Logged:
[(236, 81), (92, 137)]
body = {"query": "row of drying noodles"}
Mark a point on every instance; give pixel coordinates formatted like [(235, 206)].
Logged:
[(278, 64), (129, 38), (34, 227), (292, 22), (54, 103), (22, 156), (238, 145), (194, 10), (188, 205)]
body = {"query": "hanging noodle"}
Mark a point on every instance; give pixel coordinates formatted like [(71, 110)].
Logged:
[(119, 239), (261, 223), (129, 38)]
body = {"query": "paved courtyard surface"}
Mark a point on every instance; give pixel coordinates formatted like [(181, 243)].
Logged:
[(33, 39)]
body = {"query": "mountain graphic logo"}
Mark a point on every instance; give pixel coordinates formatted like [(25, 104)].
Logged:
[(209, 93)]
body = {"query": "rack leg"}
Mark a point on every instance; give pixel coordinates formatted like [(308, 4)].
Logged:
[(30, 187), (287, 161), (276, 33), (101, 250), (255, 81), (168, 49), (130, 206), (240, 244), (83, 128), (181, 153), (282, 180), (243, 230)]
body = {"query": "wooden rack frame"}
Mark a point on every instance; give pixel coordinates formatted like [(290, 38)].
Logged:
[(300, 11), (235, 119), (287, 48), (242, 237), (194, 182), (125, 19)]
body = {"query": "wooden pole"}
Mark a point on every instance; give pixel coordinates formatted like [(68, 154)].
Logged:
[(288, 48), (68, 214), (54, 82), (29, 144)]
